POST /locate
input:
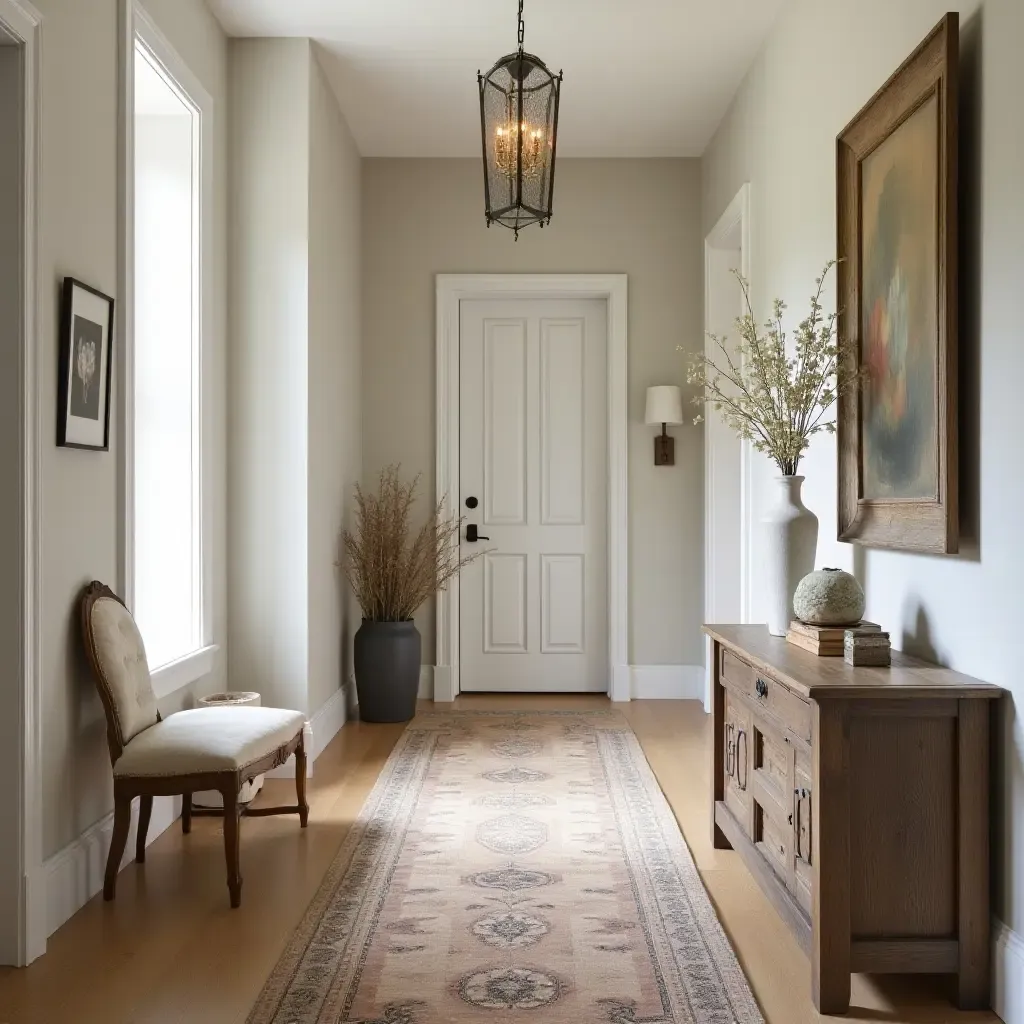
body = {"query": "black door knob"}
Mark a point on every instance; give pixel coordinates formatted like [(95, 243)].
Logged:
[(472, 535), (471, 502)]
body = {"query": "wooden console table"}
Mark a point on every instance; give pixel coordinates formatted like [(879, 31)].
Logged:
[(859, 800)]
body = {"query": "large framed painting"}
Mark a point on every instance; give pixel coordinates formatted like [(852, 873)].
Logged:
[(83, 383), (897, 241)]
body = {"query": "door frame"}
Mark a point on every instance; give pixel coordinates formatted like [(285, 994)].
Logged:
[(731, 232), (23, 22), (613, 289)]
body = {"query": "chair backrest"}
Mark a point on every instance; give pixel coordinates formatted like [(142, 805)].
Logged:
[(118, 658)]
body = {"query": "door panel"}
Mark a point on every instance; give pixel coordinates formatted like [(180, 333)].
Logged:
[(563, 403), (504, 603), (533, 452), (562, 599), (504, 409)]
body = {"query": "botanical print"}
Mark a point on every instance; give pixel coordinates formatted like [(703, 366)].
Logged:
[(555, 888), (85, 368), (899, 312)]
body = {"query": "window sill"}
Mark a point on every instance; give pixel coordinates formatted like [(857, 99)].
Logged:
[(170, 678)]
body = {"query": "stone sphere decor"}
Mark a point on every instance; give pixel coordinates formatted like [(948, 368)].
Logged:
[(829, 597)]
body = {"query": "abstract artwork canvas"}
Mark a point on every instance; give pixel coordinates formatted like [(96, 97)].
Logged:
[(899, 189), (897, 293), (83, 404)]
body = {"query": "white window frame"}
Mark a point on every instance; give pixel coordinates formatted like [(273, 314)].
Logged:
[(139, 27)]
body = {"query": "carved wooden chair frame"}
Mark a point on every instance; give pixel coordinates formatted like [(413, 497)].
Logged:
[(227, 783)]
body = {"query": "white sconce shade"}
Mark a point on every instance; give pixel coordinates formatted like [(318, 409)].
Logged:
[(664, 405)]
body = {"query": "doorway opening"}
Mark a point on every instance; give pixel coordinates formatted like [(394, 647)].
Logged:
[(727, 515)]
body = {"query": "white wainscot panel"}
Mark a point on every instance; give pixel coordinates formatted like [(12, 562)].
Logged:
[(504, 603), (562, 604), (562, 415), (505, 422)]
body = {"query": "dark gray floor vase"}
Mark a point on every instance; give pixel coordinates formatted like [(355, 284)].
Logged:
[(387, 663)]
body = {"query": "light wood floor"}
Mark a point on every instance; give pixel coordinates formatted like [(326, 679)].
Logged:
[(170, 950)]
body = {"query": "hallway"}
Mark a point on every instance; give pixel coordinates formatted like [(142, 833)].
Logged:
[(170, 950)]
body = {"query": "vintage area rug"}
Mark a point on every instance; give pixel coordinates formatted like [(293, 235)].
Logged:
[(511, 866)]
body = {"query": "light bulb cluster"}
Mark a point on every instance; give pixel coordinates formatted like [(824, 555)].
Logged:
[(506, 149)]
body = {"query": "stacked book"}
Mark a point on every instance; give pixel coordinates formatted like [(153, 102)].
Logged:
[(866, 647), (825, 641)]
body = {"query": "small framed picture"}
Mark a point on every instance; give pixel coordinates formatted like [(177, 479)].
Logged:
[(83, 387)]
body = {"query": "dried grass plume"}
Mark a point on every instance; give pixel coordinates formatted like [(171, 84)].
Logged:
[(392, 570)]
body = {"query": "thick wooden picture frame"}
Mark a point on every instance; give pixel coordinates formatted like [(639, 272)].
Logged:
[(914, 523)]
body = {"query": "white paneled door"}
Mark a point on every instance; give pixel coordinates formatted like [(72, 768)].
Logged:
[(533, 472)]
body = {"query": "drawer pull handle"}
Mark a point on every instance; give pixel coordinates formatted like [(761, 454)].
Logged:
[(746, 758), (762, 688)]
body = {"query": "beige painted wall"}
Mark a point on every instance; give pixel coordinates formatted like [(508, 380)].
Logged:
[(80, 503), (335, 386), (639, 217), (295, 436), (269, 272), (780, 136)]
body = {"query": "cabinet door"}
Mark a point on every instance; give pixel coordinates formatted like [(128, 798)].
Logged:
[(738, 765), (803, 831), (773, 782)]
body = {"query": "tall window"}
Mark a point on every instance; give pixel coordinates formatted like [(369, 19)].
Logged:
[(166, 402)]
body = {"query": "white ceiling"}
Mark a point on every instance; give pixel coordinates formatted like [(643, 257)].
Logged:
[(642, 77)]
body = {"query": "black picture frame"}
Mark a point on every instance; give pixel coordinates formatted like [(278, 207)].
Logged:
[(83, 414)]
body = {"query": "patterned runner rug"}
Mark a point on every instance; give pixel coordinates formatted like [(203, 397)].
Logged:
[(511, 866)]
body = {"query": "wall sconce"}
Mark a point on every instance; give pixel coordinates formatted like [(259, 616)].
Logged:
[(664, 406)]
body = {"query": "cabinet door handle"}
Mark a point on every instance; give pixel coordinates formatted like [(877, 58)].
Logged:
[(746, 758), (800, 795), (730, 750)]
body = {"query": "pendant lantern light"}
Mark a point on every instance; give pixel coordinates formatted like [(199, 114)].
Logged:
[(519, 123)]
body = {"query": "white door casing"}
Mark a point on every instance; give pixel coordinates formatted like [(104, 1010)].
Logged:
[(533, 455), (727, 515), (452, 289), (23, 920)]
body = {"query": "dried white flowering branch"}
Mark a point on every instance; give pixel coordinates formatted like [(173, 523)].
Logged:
[(775, 400)]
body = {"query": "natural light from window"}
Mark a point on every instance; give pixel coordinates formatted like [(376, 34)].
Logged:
[(168, 591)]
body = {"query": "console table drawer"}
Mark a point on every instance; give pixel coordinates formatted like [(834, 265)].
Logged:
[(766, 692)]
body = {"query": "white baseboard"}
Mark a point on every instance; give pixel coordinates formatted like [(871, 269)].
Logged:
[(75, 874), (667, 682), (1007, 973), (320, 730), (621, 686)]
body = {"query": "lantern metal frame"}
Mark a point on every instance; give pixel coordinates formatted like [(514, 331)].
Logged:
[(516, 213)]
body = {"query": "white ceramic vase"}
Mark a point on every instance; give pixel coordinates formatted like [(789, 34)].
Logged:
[(790, 537)]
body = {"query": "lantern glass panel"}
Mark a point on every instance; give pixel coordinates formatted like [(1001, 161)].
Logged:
[(519, 111)]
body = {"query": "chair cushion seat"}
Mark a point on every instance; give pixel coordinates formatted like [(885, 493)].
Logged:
[(208, 740)]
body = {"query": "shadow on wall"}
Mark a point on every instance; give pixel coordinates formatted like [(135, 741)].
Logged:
[(918, 642), (970, 277)]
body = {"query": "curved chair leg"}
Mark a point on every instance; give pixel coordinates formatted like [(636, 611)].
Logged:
[(232, 811), (186, 813), (122, 822), (300, 782), (145, 813)]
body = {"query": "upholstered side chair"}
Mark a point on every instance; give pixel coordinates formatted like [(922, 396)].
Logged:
[(218, 748)]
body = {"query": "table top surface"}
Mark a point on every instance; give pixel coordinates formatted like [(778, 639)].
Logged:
[(816, 677)]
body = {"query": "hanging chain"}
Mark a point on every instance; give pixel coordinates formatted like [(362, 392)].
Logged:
[(522, 26)]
